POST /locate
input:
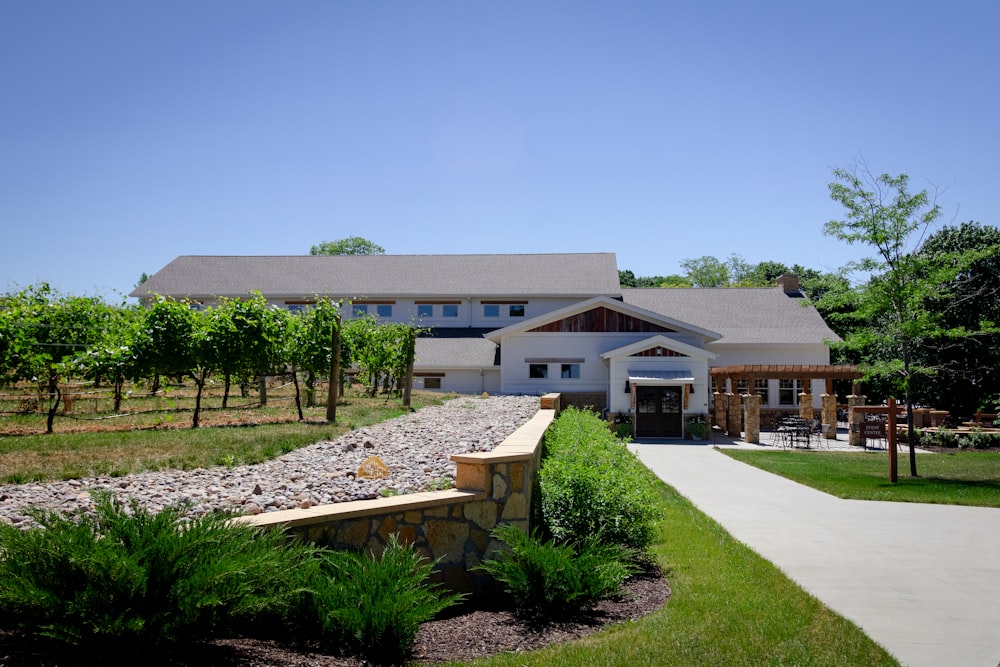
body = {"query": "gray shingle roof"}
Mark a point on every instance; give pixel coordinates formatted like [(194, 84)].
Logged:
[(570, 274), (454, 353), (742, 315)]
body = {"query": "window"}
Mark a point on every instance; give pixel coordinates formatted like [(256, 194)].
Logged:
[(449, 310), (571, 371), (432, 383), (491, 310), (384, 310), (538, 370), (425, 310), (713, 387), (788, 391), (761, 387), (741, 386), (516, 310), (296, 308)]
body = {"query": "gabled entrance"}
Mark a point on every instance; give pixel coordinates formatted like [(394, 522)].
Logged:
[(658, 411)]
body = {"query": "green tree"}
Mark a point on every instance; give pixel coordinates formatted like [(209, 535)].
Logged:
[(352, 245), (246, 337), (42, 332), (706, 271), (312, 344), (380, 351), (970, 371), (892, 305), (114, 355)]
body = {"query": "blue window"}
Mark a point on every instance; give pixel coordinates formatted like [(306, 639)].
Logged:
[(425, 310), (491, 310), (384, 310), (360, 310), (449, 310)]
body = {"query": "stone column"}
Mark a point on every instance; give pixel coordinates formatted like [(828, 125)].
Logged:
[(719, 410), (854, 419), (828, 415), (751, 418), (806, 406), (733, 415)]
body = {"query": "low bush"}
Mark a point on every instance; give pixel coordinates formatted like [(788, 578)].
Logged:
[(373, 606), (125, 582), (979, 439), (557, 580), (592, 485), (127, 579)]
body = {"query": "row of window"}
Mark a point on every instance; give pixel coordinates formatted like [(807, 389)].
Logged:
[(423, 309), (788, 390), (566, 371)]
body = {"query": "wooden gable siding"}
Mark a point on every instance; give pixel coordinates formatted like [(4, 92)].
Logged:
[(601, 320), (658, 352)]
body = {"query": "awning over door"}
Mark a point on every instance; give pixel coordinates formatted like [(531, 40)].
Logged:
[(650, 376)]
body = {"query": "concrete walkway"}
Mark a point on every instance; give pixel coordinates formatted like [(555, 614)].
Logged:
[(921, 580)]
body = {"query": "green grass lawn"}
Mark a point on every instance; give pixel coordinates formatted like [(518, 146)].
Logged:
[(962, 478), (69, 455), (728, 607)]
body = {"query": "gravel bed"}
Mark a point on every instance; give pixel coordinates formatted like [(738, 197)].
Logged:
[(416, 448)]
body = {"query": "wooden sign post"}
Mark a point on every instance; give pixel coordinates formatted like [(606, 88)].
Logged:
[(892, 410)]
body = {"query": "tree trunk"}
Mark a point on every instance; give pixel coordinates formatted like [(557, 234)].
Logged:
[(199, 380), (411, 353), (910, 431), (331, 398), (310, 389), (225, 391), (119, 385), (298, 400), (54, 396)]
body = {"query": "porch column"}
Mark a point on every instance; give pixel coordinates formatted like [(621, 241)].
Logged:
[(854, 419), (719, 410), (828, 415), (733, 415), (751, 418), (806, 404)]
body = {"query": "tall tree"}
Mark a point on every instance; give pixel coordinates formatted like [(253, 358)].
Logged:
[(352, 245), (970, 377), (892, 305), (41, 334)]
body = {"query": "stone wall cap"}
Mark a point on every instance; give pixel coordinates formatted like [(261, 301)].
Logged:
[(361, 508)]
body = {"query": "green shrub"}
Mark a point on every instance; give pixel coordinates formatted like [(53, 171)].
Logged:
[(593, 485), (554, 579), (979, 439), (127, 579), (374, 606)]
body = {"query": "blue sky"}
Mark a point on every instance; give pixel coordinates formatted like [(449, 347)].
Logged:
[(133, 132)]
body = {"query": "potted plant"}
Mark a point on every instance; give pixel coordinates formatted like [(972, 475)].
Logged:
[(697, 427)]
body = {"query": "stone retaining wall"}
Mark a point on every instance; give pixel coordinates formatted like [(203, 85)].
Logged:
[(451, 527)]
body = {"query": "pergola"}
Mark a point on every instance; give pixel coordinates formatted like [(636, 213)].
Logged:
[(728, 412), (753, 372)]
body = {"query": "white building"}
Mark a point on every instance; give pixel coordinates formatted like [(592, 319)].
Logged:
[(541, 323)]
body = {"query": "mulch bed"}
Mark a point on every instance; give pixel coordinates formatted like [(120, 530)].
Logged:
[(468, 635)]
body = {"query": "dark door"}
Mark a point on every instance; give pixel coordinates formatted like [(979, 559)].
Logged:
[(658, 412)]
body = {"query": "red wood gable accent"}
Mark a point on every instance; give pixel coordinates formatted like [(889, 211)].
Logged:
[(601, 320), (658, 352)]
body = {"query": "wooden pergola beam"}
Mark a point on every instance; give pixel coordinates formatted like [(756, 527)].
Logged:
[(787, 371)]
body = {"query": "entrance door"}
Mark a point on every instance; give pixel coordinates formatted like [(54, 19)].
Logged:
[(658, 412)]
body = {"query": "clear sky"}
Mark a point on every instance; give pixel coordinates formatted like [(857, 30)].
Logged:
[(133, 132)]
